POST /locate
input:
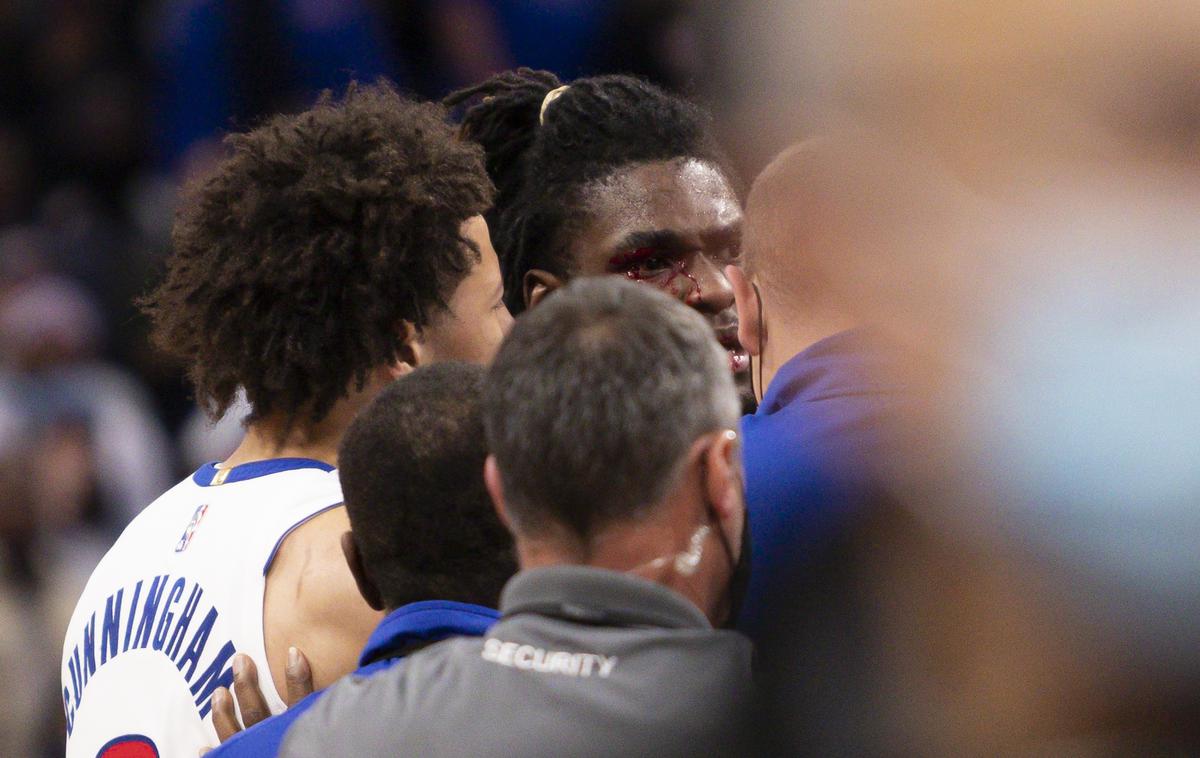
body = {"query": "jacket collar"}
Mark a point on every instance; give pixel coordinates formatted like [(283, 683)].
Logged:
[(425, 622), (853, 362)]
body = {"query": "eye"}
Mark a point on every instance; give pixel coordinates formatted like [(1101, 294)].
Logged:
[(653, 264), (643, 263)]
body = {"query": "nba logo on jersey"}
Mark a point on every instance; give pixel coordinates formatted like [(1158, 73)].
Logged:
[(186, 539)]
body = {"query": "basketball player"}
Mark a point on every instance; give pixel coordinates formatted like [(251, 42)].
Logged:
[(331, 252), (609, 175)]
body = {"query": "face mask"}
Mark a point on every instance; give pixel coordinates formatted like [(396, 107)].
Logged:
[(739, 570), (739, 575), (686, 563), (739, 580)]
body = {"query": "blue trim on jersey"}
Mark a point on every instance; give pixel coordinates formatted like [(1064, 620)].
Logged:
[(426, 621), (292, 528), (206, 473)]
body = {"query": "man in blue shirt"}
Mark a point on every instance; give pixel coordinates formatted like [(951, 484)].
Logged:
[(830, 386), (425, 543)]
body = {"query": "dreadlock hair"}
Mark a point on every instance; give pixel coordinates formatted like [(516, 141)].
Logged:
[(541, 166), (296, 261)]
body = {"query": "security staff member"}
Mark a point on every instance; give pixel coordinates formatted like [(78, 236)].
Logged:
[(609, 415)]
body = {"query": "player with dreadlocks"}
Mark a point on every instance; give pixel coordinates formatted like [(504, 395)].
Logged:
[(607, 175)]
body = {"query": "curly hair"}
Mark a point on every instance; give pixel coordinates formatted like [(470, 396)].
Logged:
[(541, 167), (411, 468), (295, 263)]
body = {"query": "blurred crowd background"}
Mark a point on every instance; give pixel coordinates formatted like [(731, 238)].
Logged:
[(1017, 200)]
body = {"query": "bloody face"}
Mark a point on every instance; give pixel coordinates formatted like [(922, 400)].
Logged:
[(674, 225)]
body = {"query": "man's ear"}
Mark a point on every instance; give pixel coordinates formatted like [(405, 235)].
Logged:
[(723, 479), (537, 284), (366, 587), (749, 310), (411, 352), (495, 488)]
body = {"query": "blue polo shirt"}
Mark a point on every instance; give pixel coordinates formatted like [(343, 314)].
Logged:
[(812, 452), (405, 628)]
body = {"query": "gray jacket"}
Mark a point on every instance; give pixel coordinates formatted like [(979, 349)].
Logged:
[(583, 662)]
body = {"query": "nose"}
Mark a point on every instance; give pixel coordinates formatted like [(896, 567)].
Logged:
[(711, 292)]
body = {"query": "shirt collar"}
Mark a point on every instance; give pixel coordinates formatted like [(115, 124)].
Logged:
[(208, 473), (589, 595), (852, 362), (427, 621)]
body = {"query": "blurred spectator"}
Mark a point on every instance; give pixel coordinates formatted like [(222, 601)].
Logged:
[(202, 440), (16, 179), (660, 40), (90, 453), (92, 450), (225, 63), (455, 43)]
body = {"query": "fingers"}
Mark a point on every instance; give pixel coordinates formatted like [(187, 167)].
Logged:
[(299, 677), (250, 700), (224, 719)]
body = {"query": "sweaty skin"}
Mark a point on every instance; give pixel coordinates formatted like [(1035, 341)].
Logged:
[(671, 224)]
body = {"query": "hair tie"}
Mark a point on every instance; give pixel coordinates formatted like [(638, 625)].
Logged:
[(551, 96)]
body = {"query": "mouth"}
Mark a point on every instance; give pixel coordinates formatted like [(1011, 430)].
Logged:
[(739, 359)]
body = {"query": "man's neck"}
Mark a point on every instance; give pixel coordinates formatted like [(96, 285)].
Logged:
[(273, 437), (791, 332), (645, 550), (262, 443)]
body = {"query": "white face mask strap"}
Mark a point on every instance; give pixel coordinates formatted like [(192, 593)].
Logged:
[(685, 563)]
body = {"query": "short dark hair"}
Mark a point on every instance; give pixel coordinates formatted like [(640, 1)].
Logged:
[(596, 127), (411, 467), (296, 261), (595, 398)]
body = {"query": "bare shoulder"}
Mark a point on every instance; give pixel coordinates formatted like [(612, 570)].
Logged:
[(311, 602)]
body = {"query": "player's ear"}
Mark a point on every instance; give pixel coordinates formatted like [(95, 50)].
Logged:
[(495, 488), (409, 356), (749, 310), (538, 284), (366, 587)]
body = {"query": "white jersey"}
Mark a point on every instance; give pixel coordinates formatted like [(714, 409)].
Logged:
[(179, 593)]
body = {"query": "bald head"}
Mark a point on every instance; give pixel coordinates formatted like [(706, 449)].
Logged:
[(834, 220), (783, 227)]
